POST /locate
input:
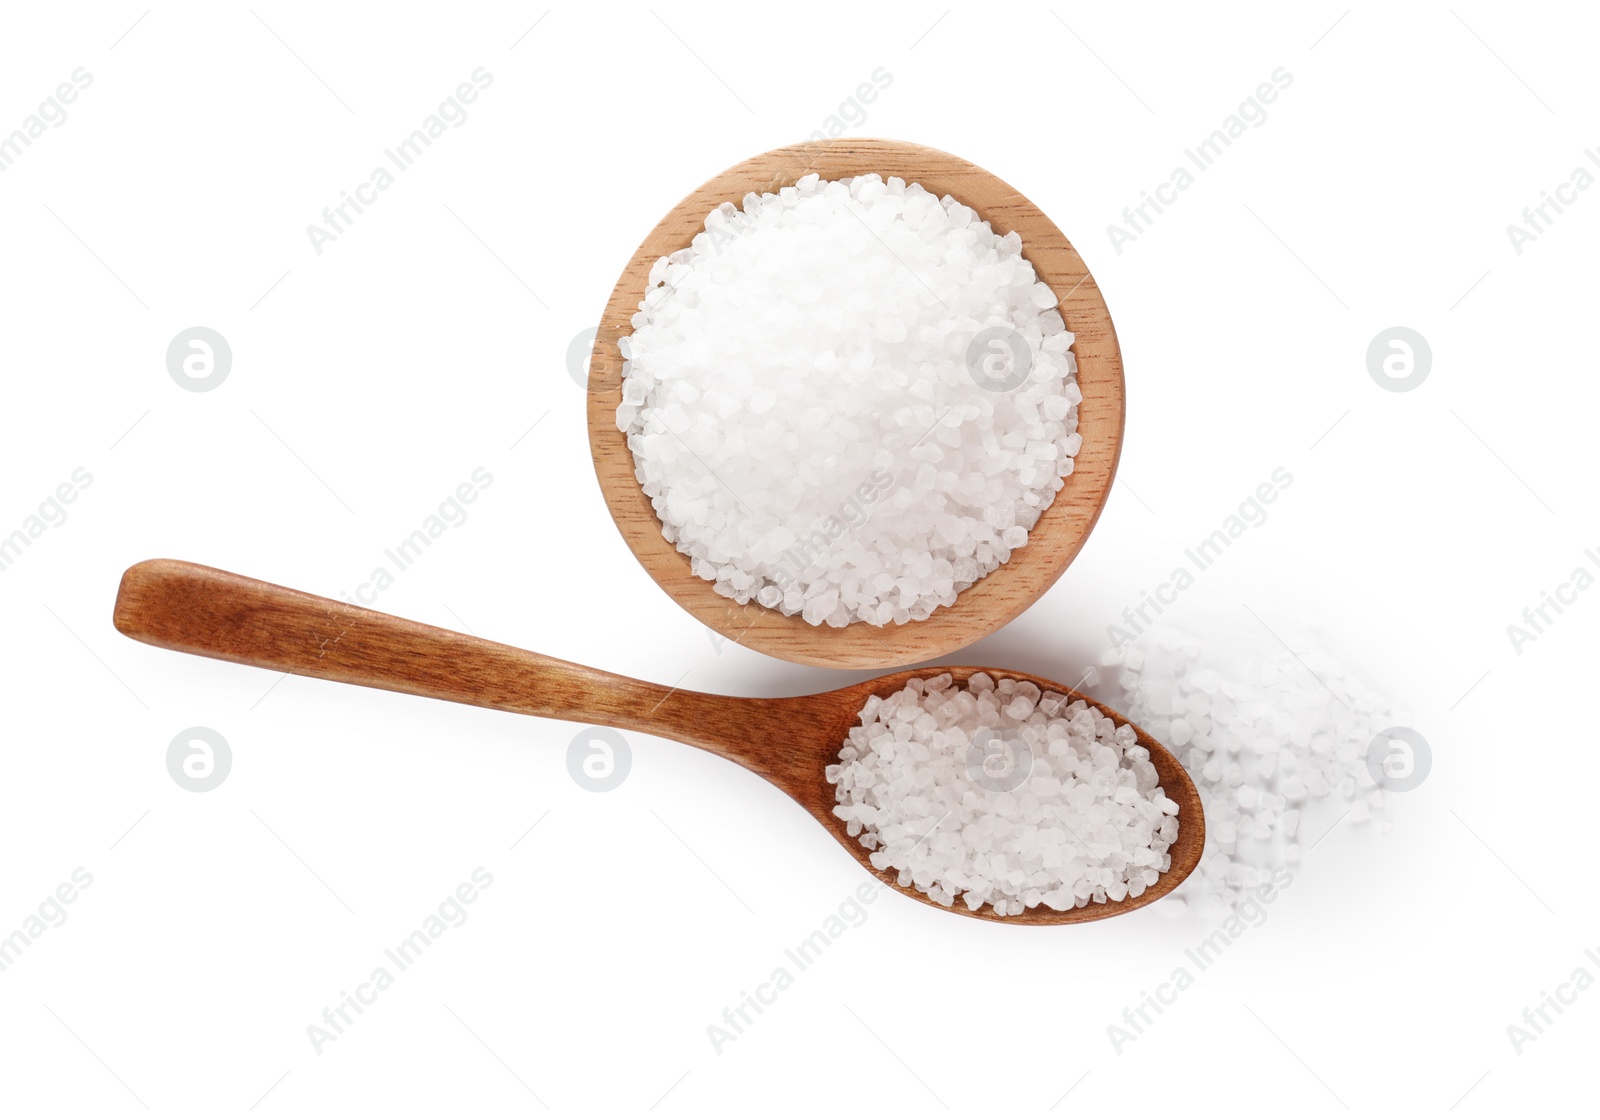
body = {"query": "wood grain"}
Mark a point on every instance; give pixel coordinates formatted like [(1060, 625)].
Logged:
[(1061, 531), (786, 740)]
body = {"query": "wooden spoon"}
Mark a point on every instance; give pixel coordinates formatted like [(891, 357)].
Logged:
[(1001, 595), (787, 740)]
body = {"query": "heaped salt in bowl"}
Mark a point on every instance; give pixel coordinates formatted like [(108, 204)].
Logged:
[(849, 400), (999, 793)]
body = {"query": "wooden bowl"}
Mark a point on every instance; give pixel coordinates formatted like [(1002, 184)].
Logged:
[(996, 598)]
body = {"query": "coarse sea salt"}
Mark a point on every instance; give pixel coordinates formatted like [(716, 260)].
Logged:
[(1268, 740), (999, 793), (849, 400)]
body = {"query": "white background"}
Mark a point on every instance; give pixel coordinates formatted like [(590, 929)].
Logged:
[(369, 381)]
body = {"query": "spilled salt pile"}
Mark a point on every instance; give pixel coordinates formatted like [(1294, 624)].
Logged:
[(995, 792), (849, 400), (1269, 741)]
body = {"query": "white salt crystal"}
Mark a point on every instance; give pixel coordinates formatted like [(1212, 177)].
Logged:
[(1021, 816), (813, 370), (1274, 741)]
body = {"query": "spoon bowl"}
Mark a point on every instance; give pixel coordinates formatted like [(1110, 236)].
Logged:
[(786, 740), (1052, 543), (836, 712)]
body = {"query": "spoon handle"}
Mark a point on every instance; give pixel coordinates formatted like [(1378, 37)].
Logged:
[(199, 610)]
